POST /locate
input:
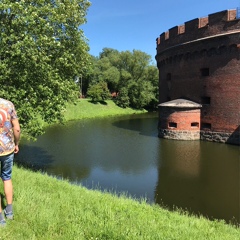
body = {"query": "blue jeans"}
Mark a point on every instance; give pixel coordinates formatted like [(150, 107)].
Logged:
[(6, 166)]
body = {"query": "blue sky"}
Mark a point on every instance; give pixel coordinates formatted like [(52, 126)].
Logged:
[(135, 24)]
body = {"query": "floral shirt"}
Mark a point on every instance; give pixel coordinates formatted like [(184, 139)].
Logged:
[(7, 114)]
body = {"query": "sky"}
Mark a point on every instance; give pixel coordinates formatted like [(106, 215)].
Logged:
[(135, 24)]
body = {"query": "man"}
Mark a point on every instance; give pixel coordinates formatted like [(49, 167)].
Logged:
[(9, 140)]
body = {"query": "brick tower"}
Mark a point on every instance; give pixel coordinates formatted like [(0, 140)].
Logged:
[(200, 62)]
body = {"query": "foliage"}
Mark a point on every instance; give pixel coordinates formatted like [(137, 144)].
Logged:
[(122, 98), (141, 93), (99, 92), (130, 75), (42, 50)]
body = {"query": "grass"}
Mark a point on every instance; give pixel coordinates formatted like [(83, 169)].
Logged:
[(84, 108), (47, 208)]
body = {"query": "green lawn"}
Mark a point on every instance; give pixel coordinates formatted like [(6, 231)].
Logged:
[(84, 108)]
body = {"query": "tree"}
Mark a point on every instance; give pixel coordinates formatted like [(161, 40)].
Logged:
[(99, 92), (105, 71), (122, 98), (130, 75), (42, 50), (140, 94)]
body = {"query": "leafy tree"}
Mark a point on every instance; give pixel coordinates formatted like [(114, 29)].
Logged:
[(135, 63), (109, 53), (122, 98), (140, 94), (112, 76), (42, 50), (152, 75), (130, 75), (99, 92), (105, 71)]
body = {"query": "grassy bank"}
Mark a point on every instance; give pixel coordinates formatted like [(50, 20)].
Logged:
[(86, 109), (46, 208)]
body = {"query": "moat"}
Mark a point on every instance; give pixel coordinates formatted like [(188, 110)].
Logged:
[(124, 154)]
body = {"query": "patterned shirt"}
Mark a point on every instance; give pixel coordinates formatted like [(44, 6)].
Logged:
[(7, 114)]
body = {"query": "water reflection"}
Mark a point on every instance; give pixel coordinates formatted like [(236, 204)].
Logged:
[(113, 154), (201, 177), (124, 154)]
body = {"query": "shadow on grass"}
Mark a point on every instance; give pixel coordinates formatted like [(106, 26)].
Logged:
[(2, 200), (96, 102)]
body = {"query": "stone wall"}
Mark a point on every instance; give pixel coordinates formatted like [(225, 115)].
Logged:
[(179, 135), (221, 137)]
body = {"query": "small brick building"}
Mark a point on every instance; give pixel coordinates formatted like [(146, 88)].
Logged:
[(200, 61), (179, 119)]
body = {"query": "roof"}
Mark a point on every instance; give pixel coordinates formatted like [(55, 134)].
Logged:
[(180, 103)]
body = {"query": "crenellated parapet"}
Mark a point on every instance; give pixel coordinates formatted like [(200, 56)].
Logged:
[(216, 24)]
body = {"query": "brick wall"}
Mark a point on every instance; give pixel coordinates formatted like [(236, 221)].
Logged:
[(179, 123), (182, 117)]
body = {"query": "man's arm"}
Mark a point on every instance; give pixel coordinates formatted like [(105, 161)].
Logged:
[(16, 133)]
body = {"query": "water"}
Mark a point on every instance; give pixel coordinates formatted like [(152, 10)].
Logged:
[(124, 154)]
